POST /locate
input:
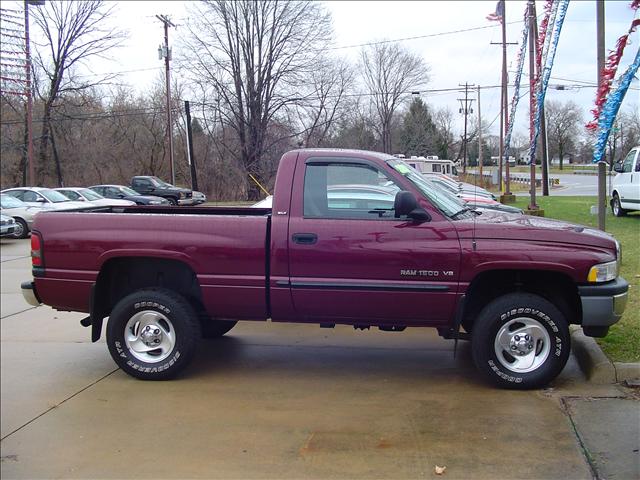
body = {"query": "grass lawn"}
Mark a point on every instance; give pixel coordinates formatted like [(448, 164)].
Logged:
[(622, 344)]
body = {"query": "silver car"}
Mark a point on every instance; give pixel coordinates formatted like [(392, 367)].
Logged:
[(78, 194), (7, 225), (22, 213), (43, 197)]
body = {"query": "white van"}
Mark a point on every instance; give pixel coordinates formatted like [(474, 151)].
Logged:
[(625, 190), (432, 164)]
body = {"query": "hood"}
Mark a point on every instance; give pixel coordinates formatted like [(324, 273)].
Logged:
[(507, 226)]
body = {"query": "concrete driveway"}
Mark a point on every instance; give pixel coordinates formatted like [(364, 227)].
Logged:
[(282, 401)]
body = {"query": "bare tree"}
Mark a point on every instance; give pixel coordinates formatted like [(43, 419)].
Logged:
[(563, 121), (75, 32), (444, 121), (256, 56), (389, 72), (325, 105)]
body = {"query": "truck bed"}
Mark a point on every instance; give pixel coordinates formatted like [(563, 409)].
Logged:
[(225, 247)]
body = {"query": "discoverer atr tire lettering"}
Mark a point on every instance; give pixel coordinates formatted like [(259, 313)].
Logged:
[(152, 334), (520, 341)]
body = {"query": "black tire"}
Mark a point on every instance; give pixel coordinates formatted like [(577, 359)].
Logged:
[(509, 318), (22, 230), (616, 208), (216, 328), (172, 201), (168, 316)]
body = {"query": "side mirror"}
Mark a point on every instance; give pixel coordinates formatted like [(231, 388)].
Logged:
[(40, 200), (120, 195), (618, 168), (406, 204)]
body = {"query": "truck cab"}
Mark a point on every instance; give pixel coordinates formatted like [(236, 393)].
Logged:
[(625, 190), (151, 185)]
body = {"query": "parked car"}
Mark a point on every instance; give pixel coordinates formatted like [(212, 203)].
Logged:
[(22, 213), (150, 185), (7, 225), (510, 284), (45, 198), (462, 186), (625, 189), (80, 194), (125, 193), (198, 197)]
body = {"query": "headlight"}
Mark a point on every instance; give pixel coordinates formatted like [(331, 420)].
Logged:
[(603, 272), (183, 195)]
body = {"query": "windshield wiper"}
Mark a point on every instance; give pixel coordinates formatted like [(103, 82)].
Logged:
[(464, 210)]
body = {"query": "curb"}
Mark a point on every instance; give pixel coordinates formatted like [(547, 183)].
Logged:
[(596, 365)]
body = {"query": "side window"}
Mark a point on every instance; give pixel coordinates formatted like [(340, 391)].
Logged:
[(112, 192), (30, 197), (627, 165), (19, 194), (436, 168), (70, 194), (98, 190), (335, 190)]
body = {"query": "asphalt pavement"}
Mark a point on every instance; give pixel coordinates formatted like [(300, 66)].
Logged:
[(273, 401)]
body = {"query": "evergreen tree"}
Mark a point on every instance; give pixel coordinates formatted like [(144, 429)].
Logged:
[(418, 135)]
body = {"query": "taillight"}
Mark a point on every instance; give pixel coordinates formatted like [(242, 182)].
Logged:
[(36, 250)]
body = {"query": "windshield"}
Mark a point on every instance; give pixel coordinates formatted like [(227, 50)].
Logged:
[(128, 191), (7, 201), (53, 196), (90, 194), (448, 203)]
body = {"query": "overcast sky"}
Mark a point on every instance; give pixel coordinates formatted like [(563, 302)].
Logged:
[(453, 58)]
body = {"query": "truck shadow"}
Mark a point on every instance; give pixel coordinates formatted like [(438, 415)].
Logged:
[(240, 356)]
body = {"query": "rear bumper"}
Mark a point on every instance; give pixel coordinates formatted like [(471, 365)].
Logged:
[(603, 304), (29, 293)]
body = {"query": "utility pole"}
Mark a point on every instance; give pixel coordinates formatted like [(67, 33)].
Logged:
[(466, 110), (192, 159), (543, 120), (165, 52), (602, 172), (532, 102), (480, 138), (504, 108)]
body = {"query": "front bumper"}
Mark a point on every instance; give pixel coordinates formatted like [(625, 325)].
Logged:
[(186, 201), (29, 293), (603, 304)]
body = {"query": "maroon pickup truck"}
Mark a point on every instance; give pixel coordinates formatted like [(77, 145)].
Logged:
[(390, 250)]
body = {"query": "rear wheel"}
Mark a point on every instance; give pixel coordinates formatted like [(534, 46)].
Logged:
[(21, 229), (520, 341), (152, 334), (616, 208)]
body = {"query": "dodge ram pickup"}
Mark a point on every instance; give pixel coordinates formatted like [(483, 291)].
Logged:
[(164, 277)]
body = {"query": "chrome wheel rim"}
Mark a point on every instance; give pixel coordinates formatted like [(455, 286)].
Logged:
[(18, 230), (150, 336), (616, 206), (522, 345)]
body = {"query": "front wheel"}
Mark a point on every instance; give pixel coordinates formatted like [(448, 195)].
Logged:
[(616, 207), (21, 229), (520, 341), (152, 334), (172, 201)]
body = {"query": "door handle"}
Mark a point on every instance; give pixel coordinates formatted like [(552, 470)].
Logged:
[(305, 238)]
